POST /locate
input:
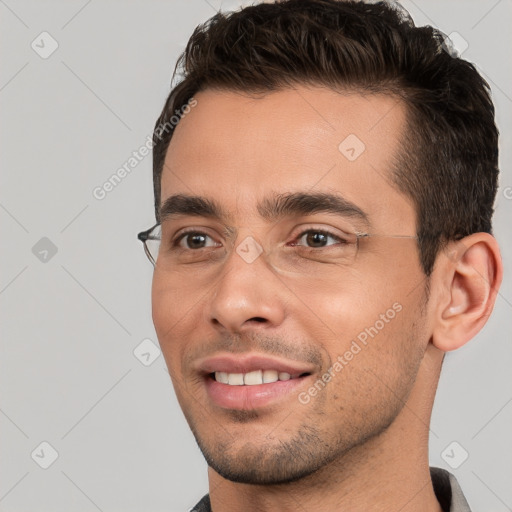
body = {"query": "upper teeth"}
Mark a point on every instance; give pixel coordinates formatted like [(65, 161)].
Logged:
[(251, 378)]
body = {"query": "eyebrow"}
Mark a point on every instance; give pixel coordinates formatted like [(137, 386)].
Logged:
[(270, 209)]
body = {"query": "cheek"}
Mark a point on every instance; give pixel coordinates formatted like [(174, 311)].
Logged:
[(379, 359), (376, 310), (175, 312), (172, 299), (346, 305), (162, 305)]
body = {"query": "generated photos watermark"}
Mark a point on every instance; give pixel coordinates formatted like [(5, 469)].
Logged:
[(100, 192), (356, 346)]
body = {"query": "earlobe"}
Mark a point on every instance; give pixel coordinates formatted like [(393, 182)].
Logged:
[(471, 271)]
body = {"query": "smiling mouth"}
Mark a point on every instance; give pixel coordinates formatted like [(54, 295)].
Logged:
[(253, 378)]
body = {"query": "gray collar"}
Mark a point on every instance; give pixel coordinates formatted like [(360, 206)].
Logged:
[(447, 490)]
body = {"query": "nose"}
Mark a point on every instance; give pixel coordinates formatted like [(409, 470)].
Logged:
[(248, 293)]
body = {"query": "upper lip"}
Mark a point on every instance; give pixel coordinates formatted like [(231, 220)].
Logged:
[(231, 363)]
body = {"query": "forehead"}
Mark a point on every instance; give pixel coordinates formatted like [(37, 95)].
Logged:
[(238, 149)]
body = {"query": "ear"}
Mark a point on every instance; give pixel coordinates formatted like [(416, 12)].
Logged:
[(471, 271)]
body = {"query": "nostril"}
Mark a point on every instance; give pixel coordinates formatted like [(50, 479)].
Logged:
[(258, 319)]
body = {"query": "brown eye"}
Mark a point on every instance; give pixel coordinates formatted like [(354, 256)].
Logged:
[(315, 239), (194, 240)]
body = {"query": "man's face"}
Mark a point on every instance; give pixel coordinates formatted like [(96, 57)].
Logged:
[(343, 330)]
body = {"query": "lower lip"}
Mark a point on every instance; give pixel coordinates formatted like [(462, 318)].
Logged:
[(247, 398)]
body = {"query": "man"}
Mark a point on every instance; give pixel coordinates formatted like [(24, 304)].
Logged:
[(323, 238)]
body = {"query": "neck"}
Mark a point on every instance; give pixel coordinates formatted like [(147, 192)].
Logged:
[(388, 472)]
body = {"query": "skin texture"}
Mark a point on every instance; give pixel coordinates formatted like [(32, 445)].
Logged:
[(361, 442)]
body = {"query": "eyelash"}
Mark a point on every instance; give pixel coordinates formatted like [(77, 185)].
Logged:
[(327, 233)]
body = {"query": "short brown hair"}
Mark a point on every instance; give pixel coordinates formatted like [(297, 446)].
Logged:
[(448, 164)]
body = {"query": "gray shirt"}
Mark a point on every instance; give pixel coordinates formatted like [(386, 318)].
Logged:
[(447, 489)]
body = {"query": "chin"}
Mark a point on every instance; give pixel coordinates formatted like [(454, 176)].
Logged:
[(268, 474), (281, 463)]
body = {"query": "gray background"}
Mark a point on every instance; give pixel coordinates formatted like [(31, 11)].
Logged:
[(72, 320)]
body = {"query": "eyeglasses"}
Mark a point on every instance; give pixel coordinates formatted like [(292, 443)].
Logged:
[(151, 239), (179, 254)]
